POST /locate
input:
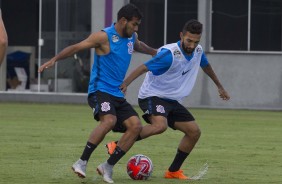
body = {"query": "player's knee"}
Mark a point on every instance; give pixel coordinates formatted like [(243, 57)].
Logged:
[(108, 119), (135, 127), (106, 127), (196, 134), (160, 128)]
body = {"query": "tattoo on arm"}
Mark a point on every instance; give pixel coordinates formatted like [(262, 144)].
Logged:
[(144, 48)]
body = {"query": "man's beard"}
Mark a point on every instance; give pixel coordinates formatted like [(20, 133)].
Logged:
[(186, 49), (125, 33)]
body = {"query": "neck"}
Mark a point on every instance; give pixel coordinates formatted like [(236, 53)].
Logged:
[(119, 29)]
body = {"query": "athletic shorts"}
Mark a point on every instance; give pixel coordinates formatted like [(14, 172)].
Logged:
[(171, 109), (103, 103)]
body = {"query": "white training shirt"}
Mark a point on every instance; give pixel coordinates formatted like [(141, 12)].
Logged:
[(178, 81)]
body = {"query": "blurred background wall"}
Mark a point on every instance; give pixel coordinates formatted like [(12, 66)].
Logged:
[(242, 39)]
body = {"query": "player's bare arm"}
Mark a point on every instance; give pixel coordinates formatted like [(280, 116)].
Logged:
[(222, 92), (132, 76), (98, 40), (141, 47)]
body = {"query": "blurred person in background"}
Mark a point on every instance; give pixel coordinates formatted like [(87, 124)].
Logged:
[(3, 39)]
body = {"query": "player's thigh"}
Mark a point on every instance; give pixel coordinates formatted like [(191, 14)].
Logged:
[(102, 105), (127, 117), (181, 119), (155, 109)]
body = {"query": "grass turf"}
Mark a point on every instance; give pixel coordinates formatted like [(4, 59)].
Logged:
[(40, 142)]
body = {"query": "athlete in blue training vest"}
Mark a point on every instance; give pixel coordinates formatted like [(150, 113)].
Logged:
[(113, 50)]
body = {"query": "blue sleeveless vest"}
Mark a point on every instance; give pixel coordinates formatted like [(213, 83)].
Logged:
[(108, 71)]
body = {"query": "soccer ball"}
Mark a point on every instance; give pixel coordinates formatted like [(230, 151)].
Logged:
[(139, 167)]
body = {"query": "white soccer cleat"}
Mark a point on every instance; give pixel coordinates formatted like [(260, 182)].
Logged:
[(79, 168), (106, 171)]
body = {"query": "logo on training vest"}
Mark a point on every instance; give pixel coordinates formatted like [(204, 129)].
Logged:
[(198, 50), (105, 106), (160, 109), (115, 38), (184, 72), (177, 54), (130, 47)]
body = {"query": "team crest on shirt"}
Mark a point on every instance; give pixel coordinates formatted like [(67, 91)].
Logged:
[(177, 54), (130, 47), (198, 50), (105, 106), (160, 108), (115, 38)]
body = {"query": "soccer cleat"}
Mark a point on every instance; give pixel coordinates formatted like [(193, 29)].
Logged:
[(111, 146), (175, 175), (79, 168), (106, 171)]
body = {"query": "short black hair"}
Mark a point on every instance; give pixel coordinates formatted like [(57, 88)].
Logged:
[(193, 26), (129, 11)]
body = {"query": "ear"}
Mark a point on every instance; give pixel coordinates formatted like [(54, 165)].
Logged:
[(181, 35), (123, 20)]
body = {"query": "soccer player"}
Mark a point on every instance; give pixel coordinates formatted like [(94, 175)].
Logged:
[(170, 77), (3, 39), (114, 46)]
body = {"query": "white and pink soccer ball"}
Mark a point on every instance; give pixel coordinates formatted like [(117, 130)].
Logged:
[(139, 167)]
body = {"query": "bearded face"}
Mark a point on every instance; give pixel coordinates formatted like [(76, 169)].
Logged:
[(186, 49), (127, 32), (131, 27), (189, 42)]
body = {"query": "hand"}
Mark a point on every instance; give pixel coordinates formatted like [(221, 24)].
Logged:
[(46, 65), (223, 94), (123, 87), (155, 51)]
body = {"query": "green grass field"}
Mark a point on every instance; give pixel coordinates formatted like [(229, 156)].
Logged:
[(40, 142)]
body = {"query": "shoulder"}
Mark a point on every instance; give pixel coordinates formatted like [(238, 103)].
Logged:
[(95, 40), (173, 49), (171, 46), (99, 37), (163, 56), (164, 52)]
